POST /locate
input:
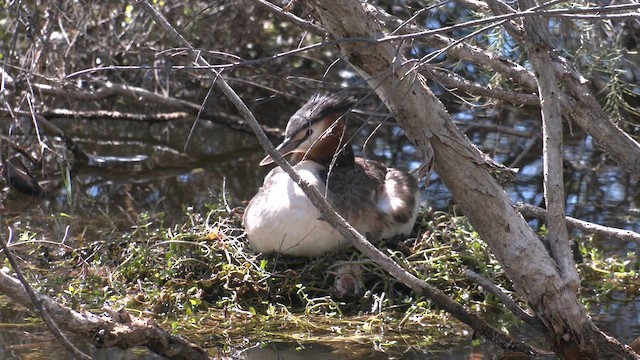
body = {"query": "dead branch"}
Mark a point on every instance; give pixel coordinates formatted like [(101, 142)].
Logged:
[(115, 115), (468, 125), (455, 82), (117, 330), (77, 151), (584, 226), (527, 147), (38, 305), (303, 24), (508, 302), (514, 27), (532, 12), (108, 89)]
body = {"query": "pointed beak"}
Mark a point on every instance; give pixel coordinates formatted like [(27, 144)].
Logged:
[(287, 147)]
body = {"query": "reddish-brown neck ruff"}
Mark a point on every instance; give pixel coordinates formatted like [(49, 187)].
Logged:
[(332, 144)]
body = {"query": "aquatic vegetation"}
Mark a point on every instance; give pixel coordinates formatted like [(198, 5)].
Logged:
[(202, 274)]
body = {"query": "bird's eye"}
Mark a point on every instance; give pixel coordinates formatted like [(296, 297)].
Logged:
[(308, 133)]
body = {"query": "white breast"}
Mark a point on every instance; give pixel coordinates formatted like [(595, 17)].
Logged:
[(280, 218)]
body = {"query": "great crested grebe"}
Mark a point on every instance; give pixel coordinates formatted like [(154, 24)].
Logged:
[(379, 202)]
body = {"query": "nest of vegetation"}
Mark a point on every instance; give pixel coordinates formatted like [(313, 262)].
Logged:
[(210, 264), (203, 272)]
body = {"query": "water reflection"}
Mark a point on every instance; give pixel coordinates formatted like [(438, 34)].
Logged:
[(145, 168), (284, 351)]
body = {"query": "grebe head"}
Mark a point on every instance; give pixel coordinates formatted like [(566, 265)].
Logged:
[(314, 132)]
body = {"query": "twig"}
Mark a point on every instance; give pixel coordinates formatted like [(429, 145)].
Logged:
[(504, 298), (452, 80), (77, 151), (339, 223), (38, 307), (279, 12), (584, 226), (468, 125), (527, 147), (514, 27)]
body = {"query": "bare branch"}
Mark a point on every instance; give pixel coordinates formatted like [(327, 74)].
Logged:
[(534, 11), (38, 306), (508, 302), (452, 80), (468, 125), (584, 226), (119, 329), (580, 105), (527, 147), (303, 24), (116, 115)]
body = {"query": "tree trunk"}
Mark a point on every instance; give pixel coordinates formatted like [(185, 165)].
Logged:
[(463, 169)]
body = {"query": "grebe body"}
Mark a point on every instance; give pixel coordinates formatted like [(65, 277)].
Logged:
[(377, 201)]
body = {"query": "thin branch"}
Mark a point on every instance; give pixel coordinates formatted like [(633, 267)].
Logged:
[(468, 125), (279, 12), (452, 80), (534, 11), (584, 226), (38, 306), (579, 105), (514, 27), (115, 115), (527, 148), (508, 302), (507, 68)]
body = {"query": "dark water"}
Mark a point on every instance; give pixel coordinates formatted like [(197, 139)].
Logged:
[(144, 168)]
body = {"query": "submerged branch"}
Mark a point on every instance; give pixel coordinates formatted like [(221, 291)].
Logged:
[(38, 305), (71, 145), (117, 330)]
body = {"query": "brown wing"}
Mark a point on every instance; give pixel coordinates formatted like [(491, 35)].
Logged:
[(353, 192), (356, 187)]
